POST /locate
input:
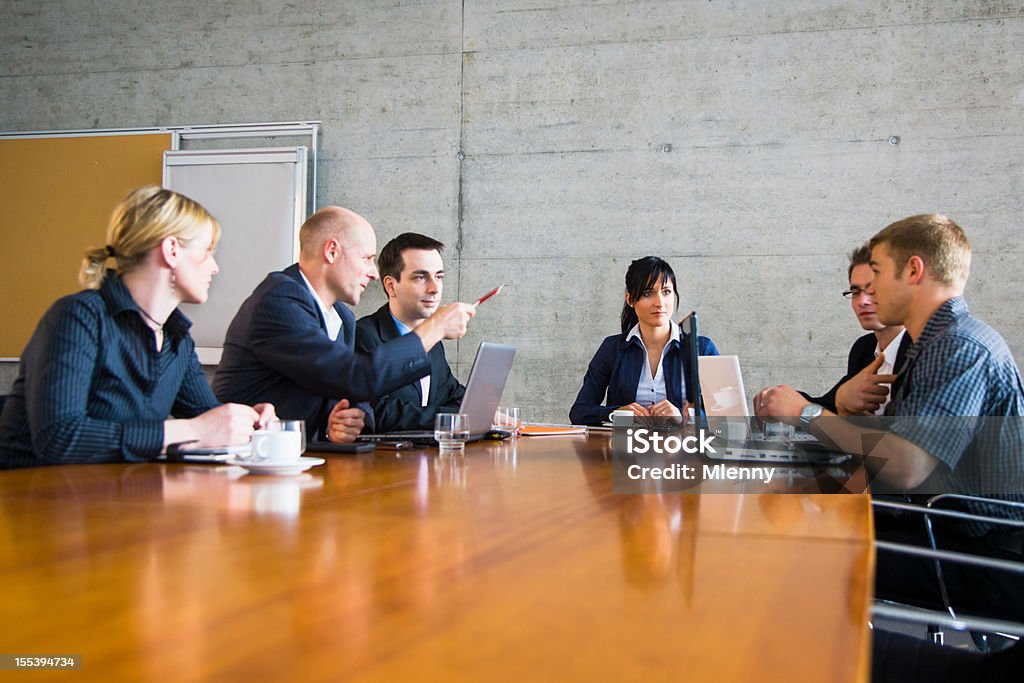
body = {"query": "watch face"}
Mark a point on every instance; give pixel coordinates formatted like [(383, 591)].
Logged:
[(809, 413)]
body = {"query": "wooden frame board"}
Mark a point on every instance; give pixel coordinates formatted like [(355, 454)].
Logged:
[(57, 195)]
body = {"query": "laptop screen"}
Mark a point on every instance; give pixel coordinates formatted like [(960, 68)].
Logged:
[(486, 383), (721, 386)]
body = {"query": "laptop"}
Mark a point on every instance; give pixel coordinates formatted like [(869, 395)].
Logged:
[(718, 381), (721, 386), (483, 394)]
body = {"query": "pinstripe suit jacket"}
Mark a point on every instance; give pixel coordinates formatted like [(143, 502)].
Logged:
[(277, 350)]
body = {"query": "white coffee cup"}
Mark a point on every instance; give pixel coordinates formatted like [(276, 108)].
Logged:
[(276, 447), (621, 418)]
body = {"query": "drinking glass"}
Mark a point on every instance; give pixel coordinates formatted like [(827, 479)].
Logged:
[(506, 418), (451, 431)]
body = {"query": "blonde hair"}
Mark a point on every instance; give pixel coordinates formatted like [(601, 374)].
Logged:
[(939, 241), (141, 221)]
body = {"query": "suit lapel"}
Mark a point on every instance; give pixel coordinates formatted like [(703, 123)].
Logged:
[(348, 325), (385, 324), (294, 273), (901, 353), (388, 331)]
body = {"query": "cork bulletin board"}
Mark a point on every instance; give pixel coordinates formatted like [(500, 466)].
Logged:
[(57, 194)]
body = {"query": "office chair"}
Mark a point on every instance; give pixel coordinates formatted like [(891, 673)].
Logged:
[(977, 625)]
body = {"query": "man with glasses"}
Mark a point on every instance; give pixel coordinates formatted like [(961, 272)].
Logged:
[(874, 358)]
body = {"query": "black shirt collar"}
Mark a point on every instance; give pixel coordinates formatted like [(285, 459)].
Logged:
[(119, 300)]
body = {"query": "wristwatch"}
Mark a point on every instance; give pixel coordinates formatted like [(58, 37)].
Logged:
[(810, 411)]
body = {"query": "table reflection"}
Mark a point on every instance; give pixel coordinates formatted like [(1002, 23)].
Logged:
[(377, 565)]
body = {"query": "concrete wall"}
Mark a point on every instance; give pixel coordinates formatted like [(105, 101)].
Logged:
[(549, 143)]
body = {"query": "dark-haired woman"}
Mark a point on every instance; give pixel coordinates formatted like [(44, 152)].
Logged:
[(642, 369)]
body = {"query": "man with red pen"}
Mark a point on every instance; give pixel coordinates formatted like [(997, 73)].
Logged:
[(412, 275), (294, 340)]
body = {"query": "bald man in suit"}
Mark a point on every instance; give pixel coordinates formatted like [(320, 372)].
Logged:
[(293, 338)]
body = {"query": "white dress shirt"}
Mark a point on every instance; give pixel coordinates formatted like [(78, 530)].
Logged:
[(403, 330), (651, 387), (886, 367), (331, 317)]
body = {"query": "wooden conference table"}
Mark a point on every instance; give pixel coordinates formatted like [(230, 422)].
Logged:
[(513, 562)]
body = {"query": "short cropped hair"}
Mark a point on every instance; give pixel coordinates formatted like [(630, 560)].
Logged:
[(390, 261), (861, 256), (318, 228), (939, 241)]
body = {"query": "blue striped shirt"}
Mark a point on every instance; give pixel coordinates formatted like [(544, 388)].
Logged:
[(93, 388), (960, 398)]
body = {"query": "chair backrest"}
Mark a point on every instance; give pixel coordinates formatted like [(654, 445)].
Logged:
[(951, 618)]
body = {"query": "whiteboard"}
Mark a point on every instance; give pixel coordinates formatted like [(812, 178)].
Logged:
[(258, 196)]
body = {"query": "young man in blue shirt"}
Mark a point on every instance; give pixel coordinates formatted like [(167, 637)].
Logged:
[(412, 275)]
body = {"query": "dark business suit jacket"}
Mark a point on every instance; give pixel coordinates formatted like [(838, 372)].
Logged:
[(400, 408), (615, 372), (277, 350), (861, 354)]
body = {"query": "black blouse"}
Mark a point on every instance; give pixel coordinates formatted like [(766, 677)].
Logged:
[(93, 388)]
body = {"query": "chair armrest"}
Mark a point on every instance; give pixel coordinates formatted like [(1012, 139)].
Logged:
[(953, 556), (995, 502), (916, 615), (953, 514)]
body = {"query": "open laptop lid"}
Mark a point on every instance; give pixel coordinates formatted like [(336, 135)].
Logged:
[(721, 386), (725, 403), (688, 325), (486, 384)]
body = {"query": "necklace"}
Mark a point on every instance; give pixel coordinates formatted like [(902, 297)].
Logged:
[(159, 325)]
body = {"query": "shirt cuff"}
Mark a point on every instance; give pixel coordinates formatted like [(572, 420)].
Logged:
[(142, 440)]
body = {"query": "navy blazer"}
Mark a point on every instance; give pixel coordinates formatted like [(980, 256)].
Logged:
[(615, 372), (277, 350), (401, 409), (861, 354)]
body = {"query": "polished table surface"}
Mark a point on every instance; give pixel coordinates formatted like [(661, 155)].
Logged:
[(515, 561)]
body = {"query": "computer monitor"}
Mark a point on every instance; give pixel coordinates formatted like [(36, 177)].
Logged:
[(688, 325)]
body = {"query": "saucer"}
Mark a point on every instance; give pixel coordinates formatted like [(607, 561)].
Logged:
[(278, 468)]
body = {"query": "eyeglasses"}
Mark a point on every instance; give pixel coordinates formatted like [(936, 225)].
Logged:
[(855, 293)]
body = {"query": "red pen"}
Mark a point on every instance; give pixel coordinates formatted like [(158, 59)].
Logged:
[(488, 295)]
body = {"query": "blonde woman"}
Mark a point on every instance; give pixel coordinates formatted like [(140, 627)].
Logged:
[(107, 366)]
